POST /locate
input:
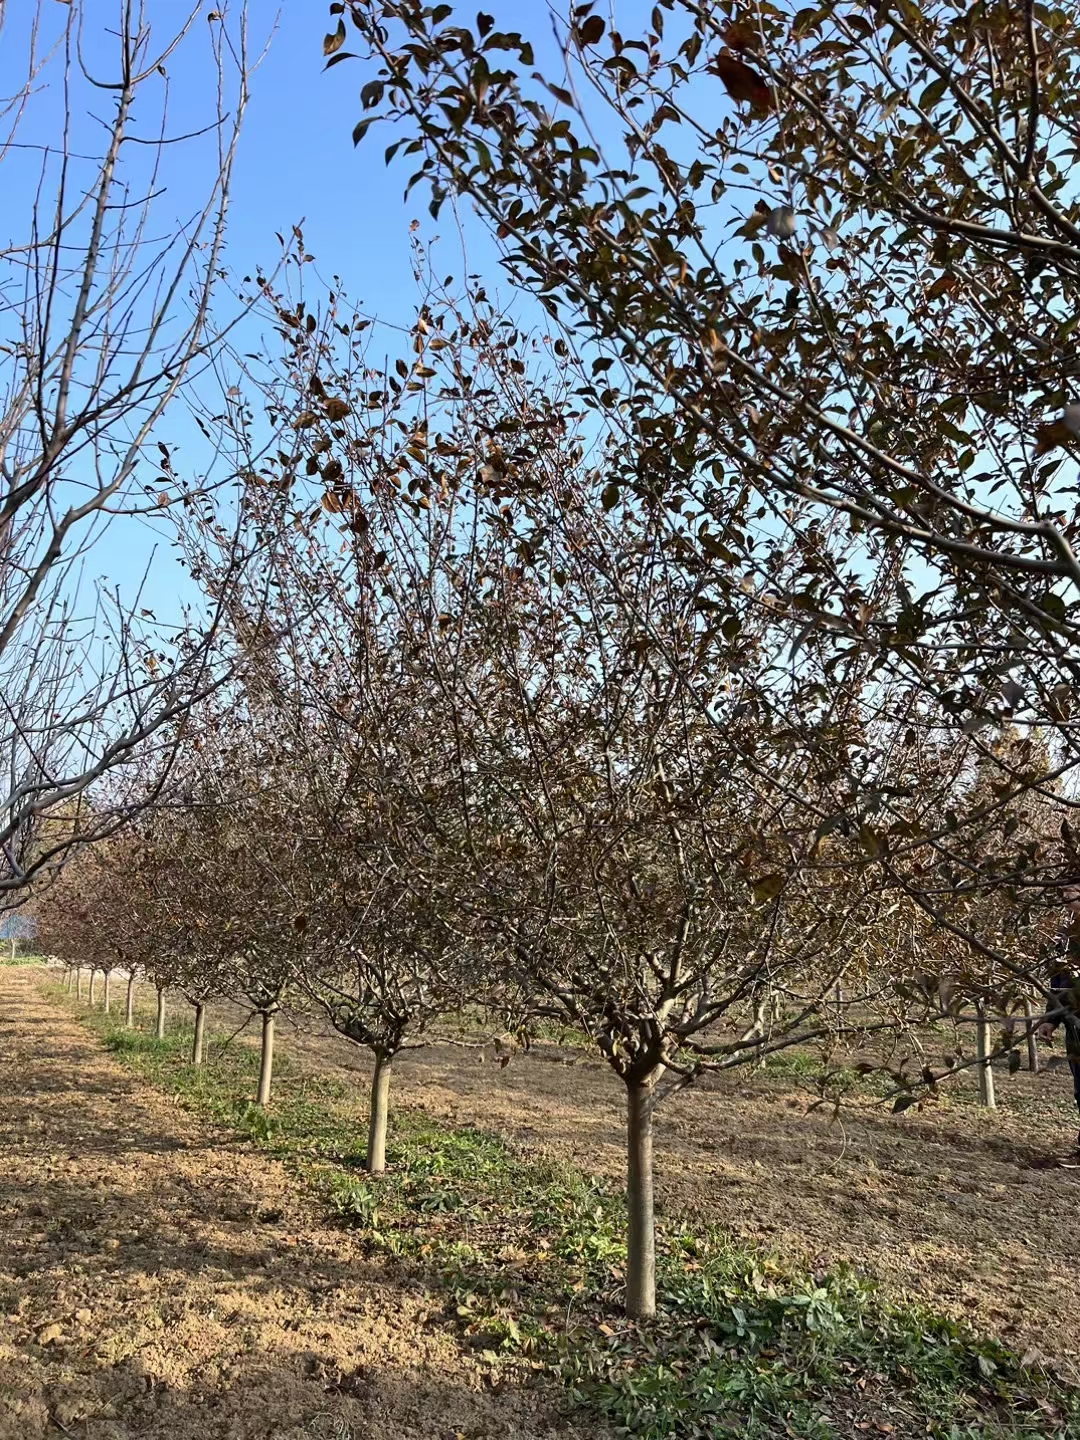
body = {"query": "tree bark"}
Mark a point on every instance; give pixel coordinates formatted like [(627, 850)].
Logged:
[(13, 943), (198, 1043), (266, 1062), (159, 1025), (641, 1235), (129, 1003), (380, 1091), (78, 982), (1032, 1041), (982, 1054), (93, 981), (105, 991)]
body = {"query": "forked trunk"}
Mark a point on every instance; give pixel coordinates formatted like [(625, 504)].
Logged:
[(129, 1003), (380, 1092), (159, 1023), (641, 1233), (266, 1062), (93, 984), (198, 1043), (982, 1055), (105, 991), (1032, 1042)]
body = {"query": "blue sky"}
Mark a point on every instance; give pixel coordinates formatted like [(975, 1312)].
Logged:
[(296, 163)]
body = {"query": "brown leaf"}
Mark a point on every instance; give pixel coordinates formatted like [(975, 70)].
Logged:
[(335, 41), (1049, 437), (739, 34), (943, 285), (742, 82)]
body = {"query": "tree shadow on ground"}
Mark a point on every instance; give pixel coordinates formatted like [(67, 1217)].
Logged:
[(288, 1391), (159, 1284)]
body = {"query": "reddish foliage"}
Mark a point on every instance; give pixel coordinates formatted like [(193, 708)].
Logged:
[(742, 82)]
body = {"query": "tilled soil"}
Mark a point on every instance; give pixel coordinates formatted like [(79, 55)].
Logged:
[(957, 1206), (157, 1281)]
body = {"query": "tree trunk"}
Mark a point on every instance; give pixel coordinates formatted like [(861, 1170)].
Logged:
[(1032, 1041), (380, 1091), (93, 981), (982, 1054), (641, 1236), (13, 943), (159, 1025), (198, 1043), (105, 991), (266, 1062), (78, 982), (129, 1003)]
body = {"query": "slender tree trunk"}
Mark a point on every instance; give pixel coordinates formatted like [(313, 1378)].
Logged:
[(198, 1043), (641, 1236), (78, 982), (129, 1003), (105, 991), (380, 1092), (1032, 1041), (982, 1054), (93, 982), (159, 1025), (13, 943), (266, 1062)]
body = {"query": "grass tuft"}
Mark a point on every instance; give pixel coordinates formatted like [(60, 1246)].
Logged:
[(529, 1256)]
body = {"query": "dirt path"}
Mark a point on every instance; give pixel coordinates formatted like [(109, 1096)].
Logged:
[(158, 1282), (949, 1204)]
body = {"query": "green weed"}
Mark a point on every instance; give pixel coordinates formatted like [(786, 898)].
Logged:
[(529, 1255)]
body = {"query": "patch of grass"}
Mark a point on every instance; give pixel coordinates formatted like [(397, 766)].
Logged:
[(529, 1255)]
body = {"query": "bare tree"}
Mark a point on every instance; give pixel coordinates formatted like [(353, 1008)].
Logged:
[(106, 322)]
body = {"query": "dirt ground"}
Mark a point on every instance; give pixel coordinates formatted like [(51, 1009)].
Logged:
[(951, 1204), (158, 1282)]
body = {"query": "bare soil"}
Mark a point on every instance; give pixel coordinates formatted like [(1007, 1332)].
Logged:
[(158, 1281), (958, 1206)]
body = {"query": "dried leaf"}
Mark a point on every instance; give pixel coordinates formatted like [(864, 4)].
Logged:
[(1050, 437), (742, 82), (943, 285), (739, 35), (767, 887)]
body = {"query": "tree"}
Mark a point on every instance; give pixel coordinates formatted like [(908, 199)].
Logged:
[(237, 937), (105, 322), (16, 927), (848, 303)]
